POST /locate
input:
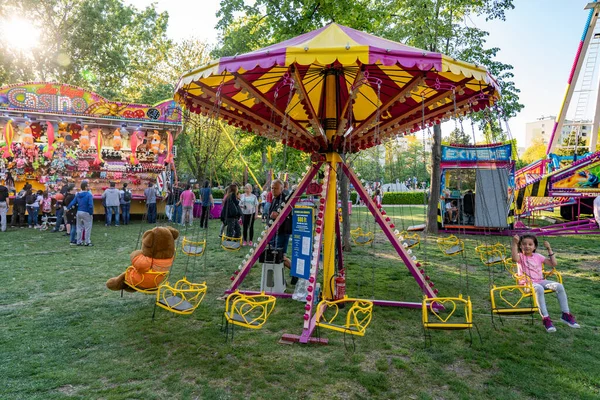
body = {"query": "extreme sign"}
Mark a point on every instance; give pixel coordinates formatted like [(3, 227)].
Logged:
[(473, 154)]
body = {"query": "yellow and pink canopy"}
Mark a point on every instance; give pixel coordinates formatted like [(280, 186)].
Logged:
[(336, 89)]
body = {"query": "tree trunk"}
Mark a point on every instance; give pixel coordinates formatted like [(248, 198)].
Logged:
[(344, 195), (434, 190)]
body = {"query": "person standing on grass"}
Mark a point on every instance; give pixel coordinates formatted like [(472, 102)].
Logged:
[(112, 197), (249, 205), (150, 195), (187, 200), (3, 206), (125, 202), (177, 207), (531, 265), (19, 206), (59, 209), (34, 199), (85, 211), (231, 212), (207, 202), (70, 215)]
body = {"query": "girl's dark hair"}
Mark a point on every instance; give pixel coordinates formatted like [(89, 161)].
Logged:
[(188, 186), (528, 236), (205, 184)]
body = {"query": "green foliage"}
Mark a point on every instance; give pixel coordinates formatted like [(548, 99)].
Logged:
[(101, 45), (571, 144), (417, 198), (218, 193), (457, 136)]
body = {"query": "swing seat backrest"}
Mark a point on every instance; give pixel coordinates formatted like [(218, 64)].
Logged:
[(447, 313), (492, 254), (361, 238), (193, 248), (231, 243), (510, 300), (357, 318), (451, 245), (408, 239), (249, 311), (181, 298)]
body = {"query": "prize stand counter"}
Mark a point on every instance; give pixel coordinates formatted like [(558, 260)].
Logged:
[(53, 134)]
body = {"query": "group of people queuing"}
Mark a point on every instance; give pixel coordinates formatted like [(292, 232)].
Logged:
[(180, 200), (73, 211), (240, 210)]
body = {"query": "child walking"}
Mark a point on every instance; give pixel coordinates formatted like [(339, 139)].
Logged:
[(530, 263)]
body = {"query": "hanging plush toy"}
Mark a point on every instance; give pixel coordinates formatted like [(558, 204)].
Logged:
[(36, 130), (75, 130), (133, 143), (50, 133), (117, 142), (155, 144), (62, 130), (9, 134), (27, 137), (99, 142), (169, 158), (84, 139)]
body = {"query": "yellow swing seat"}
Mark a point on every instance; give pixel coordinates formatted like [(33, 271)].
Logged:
[(231, 243), (446, 322), (361, 238), (451, 246), (505, 302), (492, 254), (193, 248), (408, 239), (181, 298), (249, 311), (358, 316), (156, 277)]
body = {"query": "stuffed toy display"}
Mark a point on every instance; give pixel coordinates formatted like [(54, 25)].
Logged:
[(84, 139), (27, 138), (117, 141), (156, 256), (155, 144)]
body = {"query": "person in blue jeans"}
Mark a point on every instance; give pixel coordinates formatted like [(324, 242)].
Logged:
[(150, 195), (112, 197), (207, 203), (125, 196)]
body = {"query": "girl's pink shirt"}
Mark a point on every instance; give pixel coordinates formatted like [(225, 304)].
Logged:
[(531, 266), (188, 198)]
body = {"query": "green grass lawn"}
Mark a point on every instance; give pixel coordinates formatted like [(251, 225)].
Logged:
[(64, 335)]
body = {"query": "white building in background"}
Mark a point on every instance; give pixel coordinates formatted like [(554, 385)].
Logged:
[(543, 126)]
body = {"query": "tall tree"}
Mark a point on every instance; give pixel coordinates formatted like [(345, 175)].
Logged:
[(102, 45)]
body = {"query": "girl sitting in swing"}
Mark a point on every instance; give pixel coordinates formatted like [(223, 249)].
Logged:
[(530, 264)]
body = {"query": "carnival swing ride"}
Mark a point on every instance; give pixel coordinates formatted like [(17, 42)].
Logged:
[(333, 92)]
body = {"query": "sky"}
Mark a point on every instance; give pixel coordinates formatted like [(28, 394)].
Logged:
[(539, 39)]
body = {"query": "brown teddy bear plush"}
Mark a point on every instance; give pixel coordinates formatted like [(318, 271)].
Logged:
[(150, 264)]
